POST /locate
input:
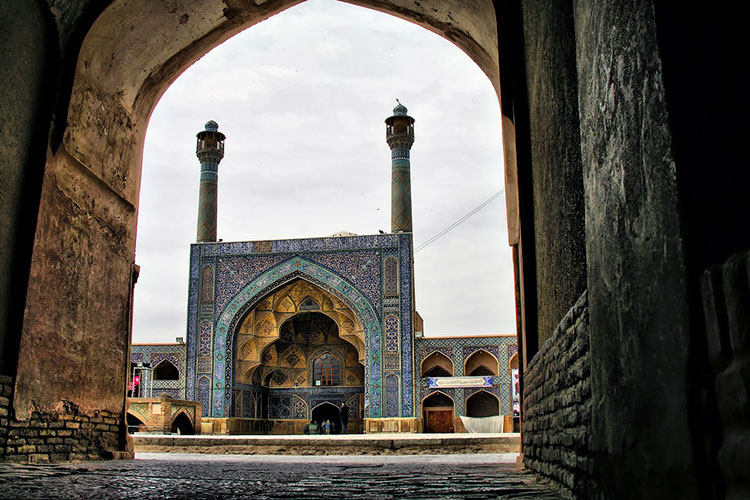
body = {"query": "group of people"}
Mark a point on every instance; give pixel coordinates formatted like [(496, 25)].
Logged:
[(328, 427)]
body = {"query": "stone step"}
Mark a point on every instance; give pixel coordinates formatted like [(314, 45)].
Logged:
[(350, 444)]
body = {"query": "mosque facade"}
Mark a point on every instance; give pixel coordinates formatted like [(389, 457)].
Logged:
[(283, 332)]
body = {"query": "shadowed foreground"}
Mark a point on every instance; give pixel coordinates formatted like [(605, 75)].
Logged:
[(157, 476)]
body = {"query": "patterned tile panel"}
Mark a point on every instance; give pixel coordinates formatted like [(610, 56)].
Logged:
[(407, 332), (392, 395), (391, 333), (192, 320)]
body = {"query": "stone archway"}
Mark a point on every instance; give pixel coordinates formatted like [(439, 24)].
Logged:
[(596, 93), (89, 196)]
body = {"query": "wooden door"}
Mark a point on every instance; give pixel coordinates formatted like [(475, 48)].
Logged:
[(439, 420)]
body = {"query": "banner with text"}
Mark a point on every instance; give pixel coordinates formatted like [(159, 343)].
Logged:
[(454, 382)]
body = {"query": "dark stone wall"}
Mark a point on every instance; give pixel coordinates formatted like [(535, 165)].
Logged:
[(640, 323), (557, 404), (27, 72), (726, 304), (68, 324), (555, 155)]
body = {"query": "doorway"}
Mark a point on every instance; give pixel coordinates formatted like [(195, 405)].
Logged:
[(439, 421), (327, 411), (182, 425), (438, 413)]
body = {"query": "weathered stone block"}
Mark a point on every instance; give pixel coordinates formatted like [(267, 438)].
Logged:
[(39, 457), (732, 395), (737, 301)]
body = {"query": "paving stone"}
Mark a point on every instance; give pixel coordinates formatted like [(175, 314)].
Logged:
[(167, 476)]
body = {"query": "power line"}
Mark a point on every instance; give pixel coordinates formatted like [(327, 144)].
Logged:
[(459, 221)]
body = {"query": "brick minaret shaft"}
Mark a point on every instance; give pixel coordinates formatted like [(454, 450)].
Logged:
[(400, 137), (209, 150)]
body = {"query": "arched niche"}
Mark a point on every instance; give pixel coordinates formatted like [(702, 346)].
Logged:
[(134, 422), (482, 404), (276, 378), (263, 325), (438, 399), (437, 364), (513, 362), (308, 352), (166, 370), (481, 363)]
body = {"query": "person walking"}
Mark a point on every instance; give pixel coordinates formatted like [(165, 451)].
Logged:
[(343, 417)]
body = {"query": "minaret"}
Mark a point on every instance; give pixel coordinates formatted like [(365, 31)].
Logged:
[(399, 133), (209, 150)]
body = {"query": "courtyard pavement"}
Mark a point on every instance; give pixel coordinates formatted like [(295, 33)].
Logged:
[(157, 476)]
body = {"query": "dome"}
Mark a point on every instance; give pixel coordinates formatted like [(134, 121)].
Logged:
[(212, 126), (399, 110)]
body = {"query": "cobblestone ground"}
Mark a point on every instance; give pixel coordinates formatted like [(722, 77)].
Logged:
[(161, 476)]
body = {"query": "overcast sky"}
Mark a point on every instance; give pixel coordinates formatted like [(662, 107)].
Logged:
[(302, 98)]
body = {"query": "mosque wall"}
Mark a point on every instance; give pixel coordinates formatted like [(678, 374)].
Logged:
[(152, 355), (460, 350), (371, 275)]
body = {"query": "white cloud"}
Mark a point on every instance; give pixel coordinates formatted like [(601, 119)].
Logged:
[(302, 98)]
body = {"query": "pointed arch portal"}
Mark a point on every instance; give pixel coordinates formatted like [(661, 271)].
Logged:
[(257, 290)]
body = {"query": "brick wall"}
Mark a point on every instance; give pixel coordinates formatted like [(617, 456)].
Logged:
[(6, 387), (64, 434), (726, 304), (557, 406)]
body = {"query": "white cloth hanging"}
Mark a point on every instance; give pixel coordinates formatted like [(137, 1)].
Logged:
[(483, 424)]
